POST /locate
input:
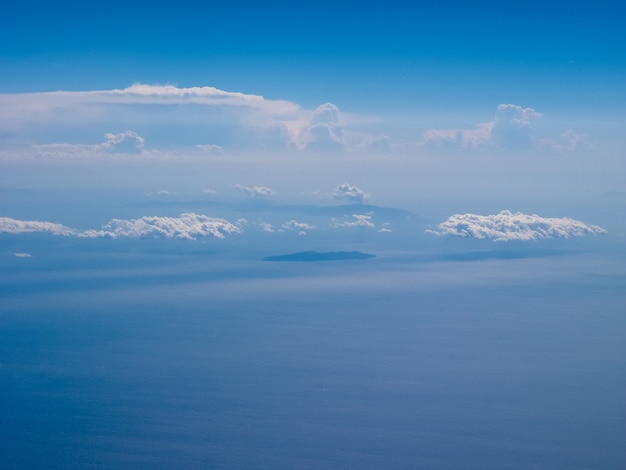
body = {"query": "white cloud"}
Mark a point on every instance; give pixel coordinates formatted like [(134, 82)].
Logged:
[(356, 221), (140, 93), (211, 149), (15, 226), (294, 225), (510, 129), (126, 143), (568, 141), (186, 226), (266, 227), (22, 255), (508, 226), (324, 131), (255, 191), (230, 120), (385, 228), (513, 125), (480, 137), (350, 193)]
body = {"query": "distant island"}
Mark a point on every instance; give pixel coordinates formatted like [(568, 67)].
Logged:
[(317, 256)]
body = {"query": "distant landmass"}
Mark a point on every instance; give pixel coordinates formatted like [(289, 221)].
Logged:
[(317, 256)]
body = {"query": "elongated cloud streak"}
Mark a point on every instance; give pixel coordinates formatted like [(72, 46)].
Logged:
[(508, 226), (255, 191), (14, 226), (356, 221), (186, 226)]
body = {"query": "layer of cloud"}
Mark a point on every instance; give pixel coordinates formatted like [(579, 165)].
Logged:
[(127, 143), (255, 191), (508, 226), (140, 93)]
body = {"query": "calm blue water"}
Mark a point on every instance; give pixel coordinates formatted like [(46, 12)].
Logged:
[(191, 364)]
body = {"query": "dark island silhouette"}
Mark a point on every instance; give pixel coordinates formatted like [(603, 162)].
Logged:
[(320, 256)]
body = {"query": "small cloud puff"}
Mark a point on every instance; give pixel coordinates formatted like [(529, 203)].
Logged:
[(568, 141), (255, 191), (356, 221), (350, 193), (211, 149), (508, 226), (294, 225), (22, 255), (126, 142)]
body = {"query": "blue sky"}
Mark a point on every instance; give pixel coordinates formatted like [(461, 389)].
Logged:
[(446, 107)]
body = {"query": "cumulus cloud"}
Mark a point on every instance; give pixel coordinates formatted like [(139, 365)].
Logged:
[(186, 226), (227, 119), (348, 192), (255, 191), (510, 129), (125, 142), (508, 226), (300, 227), (324, 131), (356, 221), (513, 125)]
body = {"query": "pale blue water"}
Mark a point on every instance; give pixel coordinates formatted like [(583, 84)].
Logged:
[(482, 364)]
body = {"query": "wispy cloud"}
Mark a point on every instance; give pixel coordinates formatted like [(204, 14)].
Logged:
[(211, 149), (301, 227), (356, 221), (127, 143), (255, 191), (511, 129), (508, 226)]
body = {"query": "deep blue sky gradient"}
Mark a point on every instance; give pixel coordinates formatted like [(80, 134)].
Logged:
[(393, 55)]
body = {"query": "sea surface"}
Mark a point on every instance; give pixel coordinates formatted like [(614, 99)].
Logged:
[(140, 360)]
